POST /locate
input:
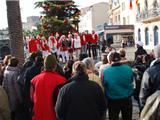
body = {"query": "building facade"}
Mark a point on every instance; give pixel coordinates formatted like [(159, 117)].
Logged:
[(4, 43), (147, 28), (121, 15), (31, 23), (94, 17), (120, 12)]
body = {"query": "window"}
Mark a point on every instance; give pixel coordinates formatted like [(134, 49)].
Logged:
[(156, 37), (146, 4), (139, 34), (128, 19), (116, 19), (146, 36), (123, 6), (119, 18), (124, 21)]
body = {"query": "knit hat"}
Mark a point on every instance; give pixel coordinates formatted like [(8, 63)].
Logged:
[(114, 56), (50, 62), (140, 43)]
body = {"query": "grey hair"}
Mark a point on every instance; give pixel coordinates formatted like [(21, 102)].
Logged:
[(157, 51), (88, 62)]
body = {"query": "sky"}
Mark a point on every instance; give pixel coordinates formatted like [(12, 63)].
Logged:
[(27, 9)]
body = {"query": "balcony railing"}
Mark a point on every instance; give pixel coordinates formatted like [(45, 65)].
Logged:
[(148, 14)]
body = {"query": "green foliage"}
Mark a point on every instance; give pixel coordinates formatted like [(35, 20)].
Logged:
[(58, 16)]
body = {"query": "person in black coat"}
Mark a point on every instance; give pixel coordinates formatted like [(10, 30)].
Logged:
[(81, 99), (30, 73), (140, 51)]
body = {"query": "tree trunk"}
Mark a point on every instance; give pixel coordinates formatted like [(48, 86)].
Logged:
[(15, 29)]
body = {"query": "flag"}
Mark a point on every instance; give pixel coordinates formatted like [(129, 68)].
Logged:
[(130, 4)]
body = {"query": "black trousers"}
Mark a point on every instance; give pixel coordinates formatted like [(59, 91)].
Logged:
[(94, 50), (89, 49), (122, 105)]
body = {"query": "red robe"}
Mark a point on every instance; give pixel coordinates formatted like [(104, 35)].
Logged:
[(39, 44), (88, 38), (44, 85), (83, 40), (94, 38), (32, 45)]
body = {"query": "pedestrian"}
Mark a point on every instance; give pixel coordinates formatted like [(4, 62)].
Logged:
[(94, 44), (4, 105), (88, 40), (11, 87), (151, 78), (83, 56), (30, 73), (20, 80), (83, 43), (81, 99), (140, 50), (70, 46), (77, 45), (68, 69), (52, 43), (90, 71), (104, 64), (64, 48), (118, 79), (42, 88), (4, 64)]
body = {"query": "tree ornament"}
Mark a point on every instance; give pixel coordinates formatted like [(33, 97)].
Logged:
[(65, 21)]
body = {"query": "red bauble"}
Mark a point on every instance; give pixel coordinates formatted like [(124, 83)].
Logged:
[(58, 7), (46, 7), (65, 21), (78, 13)]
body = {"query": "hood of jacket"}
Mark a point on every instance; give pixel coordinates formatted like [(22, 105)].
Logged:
[(80, 76), (9, 68)]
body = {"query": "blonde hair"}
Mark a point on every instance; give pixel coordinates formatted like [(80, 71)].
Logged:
[(6, 59), (122, 52), (78, 66)]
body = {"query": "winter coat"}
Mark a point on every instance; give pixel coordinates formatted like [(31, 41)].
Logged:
[(151, 110), (118, 81), (95, 78), (11, 87), (44, 85), (4, 105), (150, 82), (30, 73), (140, 51), (80, 100)]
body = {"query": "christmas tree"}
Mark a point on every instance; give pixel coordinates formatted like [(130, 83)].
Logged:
[(58, 16)]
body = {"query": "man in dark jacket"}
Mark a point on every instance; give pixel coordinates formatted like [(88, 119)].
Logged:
[(81, 99), (151, 78), (140, 51), (29, 74)]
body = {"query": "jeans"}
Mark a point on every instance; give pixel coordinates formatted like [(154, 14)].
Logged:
[(89, 49), (122, 105), (84, 49), (94, 50)]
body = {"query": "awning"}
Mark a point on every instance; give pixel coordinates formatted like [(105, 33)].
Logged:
[(119, 29)]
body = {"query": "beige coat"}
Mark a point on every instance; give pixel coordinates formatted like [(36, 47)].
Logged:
[(4, 105), (149, 111), (96, 79)]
